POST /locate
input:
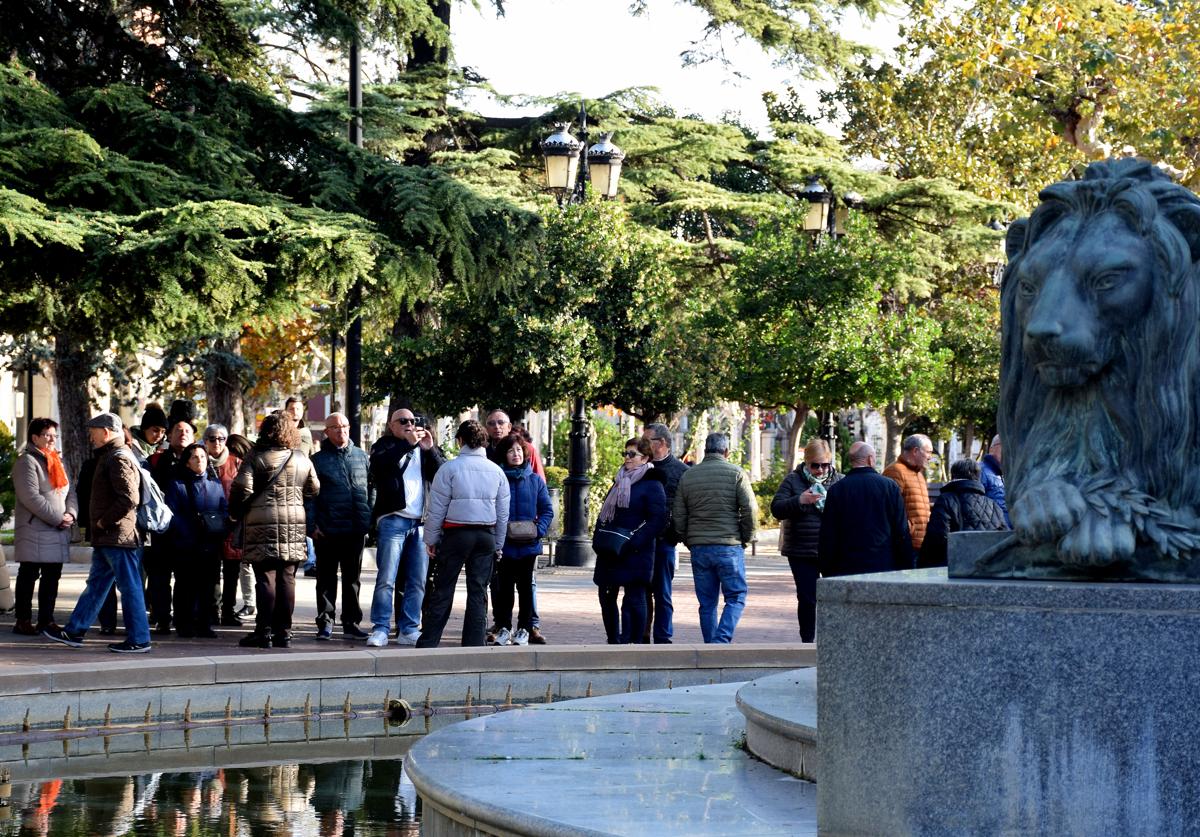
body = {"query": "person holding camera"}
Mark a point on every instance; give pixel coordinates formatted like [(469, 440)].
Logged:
[(403, 464)]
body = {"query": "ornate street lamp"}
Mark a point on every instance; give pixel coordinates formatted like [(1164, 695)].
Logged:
[(819, 202), (604, 162), (602, 168)]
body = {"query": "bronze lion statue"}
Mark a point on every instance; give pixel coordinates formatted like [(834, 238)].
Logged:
[(1099, 380)]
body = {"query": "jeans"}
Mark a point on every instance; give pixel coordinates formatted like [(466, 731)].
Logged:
[(336, 552), (27, 574), (660, 610), (109, 564), (475, 548), (718, 569), (399, 553), (805, 575)]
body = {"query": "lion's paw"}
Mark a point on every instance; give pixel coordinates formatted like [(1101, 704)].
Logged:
[(1046, 512), (1098, 540)]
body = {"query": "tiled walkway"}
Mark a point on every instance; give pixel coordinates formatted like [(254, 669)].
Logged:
[(567, 605)]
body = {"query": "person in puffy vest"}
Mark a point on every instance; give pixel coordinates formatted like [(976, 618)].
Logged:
[(962, 507)]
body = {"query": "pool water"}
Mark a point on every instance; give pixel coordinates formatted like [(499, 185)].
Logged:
[(349, 797)]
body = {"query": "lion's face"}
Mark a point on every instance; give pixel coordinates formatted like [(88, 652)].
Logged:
[(1078, 288)]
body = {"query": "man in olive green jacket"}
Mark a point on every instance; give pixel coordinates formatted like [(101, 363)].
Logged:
[(716, 515)]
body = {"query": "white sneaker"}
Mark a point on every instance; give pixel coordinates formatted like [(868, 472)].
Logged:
[(504, 637), (521, 637), (408, 639), (377, 639)]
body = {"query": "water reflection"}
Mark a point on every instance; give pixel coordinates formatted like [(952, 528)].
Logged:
[(351, 797)]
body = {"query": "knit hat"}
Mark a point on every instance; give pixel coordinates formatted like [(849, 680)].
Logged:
[(182, 410), (154, 417)]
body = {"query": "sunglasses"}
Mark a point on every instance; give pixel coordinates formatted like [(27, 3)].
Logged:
[(630, 454), (818, 466), (405, 421), (215, 438)]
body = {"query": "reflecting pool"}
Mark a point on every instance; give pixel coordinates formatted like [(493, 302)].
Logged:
[(361, 797)]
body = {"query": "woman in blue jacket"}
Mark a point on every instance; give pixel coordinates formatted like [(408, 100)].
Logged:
[(196, 551), (637, 502), (529, 501)]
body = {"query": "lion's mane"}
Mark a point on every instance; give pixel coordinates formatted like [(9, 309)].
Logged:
[(1137, 425)]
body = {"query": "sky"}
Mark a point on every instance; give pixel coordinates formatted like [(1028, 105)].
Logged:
[(607, 49)]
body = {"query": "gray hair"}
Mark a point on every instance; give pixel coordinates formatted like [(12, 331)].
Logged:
[(716, 443), (965, 469), (915, 442), (662, 433), (861, 453), (214, 428)]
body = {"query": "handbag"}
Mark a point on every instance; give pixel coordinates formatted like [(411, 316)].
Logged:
[(521, 532), (611, 539), (212, 522), (239, 526)]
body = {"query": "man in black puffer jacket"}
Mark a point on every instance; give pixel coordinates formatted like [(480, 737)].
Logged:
[(338, 520), (962, 507)]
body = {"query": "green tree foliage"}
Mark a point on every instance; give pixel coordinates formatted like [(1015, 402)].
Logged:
[(1004, 98)]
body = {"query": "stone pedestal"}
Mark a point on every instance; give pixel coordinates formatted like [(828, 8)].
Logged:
[(1007, 707)]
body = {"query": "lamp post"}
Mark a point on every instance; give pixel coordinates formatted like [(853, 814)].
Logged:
[(563, 156)]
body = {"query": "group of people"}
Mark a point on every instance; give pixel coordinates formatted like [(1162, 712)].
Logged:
[(251, 512), (864, 522)]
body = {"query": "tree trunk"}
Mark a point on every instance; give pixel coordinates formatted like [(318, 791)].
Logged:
[(223, 385), (72, 372), (895, 417), (968, 438), (754, 445), (408, 324), (796, 435)]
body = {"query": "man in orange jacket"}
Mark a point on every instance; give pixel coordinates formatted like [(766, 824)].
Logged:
[(909, 473)]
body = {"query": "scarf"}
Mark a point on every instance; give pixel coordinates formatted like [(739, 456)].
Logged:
[(54, 465), (618, 495), (517, 472)]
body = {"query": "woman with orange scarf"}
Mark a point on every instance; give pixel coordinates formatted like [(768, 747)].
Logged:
[(46, 508)]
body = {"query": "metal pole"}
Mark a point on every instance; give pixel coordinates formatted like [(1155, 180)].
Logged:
[(574, 549), (354, 333)]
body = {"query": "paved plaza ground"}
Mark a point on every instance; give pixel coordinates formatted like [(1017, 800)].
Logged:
[(567, 605)]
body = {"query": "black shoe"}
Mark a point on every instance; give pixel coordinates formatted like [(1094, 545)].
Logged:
[(162, 629), (65, 638), (283, 640), (255, 640), (324, 632), (128, 646), (230, 620), (354, 632)]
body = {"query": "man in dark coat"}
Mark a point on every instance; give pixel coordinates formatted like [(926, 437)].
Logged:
[(165, 466), (963, 506), (660, 611), (864, 528), (338, 520)]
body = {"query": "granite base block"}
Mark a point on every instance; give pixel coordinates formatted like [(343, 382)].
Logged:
[(1007, 707)]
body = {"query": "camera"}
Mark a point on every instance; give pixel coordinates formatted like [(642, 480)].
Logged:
[(420, 422)]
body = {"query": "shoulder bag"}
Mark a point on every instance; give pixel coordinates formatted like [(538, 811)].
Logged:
[(612, 540), (521, 532)]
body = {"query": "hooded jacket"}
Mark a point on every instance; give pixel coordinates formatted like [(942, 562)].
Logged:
[(963, 506)]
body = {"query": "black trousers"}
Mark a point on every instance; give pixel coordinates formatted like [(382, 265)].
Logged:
[(157, 563), (27, 574), (460, 546), (806, 575), (274, 596), (513, 573), (231, 573), (196, 572), (334, 553), (629, 623)]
